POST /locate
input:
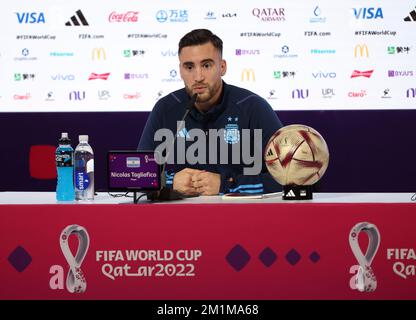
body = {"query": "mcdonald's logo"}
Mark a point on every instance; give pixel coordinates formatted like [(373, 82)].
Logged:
[(361, 49), (97, 53), (248, 74)]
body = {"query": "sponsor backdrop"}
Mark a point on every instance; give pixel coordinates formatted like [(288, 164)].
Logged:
[(345, 68), (90, 56)]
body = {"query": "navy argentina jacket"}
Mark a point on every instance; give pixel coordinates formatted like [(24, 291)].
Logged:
[(238, 109)]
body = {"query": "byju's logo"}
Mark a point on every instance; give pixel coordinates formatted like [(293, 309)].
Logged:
[(30, 17), (77, 20), (365, 279), (241, 52), (400, 73), (75, 280), (368, 13)]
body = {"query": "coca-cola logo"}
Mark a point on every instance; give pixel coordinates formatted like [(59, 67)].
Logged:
[(129, 16)]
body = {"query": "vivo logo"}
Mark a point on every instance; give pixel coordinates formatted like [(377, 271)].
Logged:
[(63, 77), (368, 13), (30, 17), (324, 75)]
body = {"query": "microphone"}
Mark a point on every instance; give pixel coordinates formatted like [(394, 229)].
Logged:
[(165, 193)]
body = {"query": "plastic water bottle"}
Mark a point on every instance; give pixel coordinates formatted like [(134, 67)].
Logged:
[(64, 157), (84, 170)]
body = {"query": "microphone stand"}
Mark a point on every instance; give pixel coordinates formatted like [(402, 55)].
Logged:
[(165, 193)]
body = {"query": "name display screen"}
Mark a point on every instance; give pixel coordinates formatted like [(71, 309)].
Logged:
[(133, 171)]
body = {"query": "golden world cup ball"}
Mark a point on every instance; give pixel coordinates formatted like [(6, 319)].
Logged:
[(296, 155)]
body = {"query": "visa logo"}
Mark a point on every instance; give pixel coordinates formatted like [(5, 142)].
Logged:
[(63, 77), (30, 17), (324, 75), (368, 13)]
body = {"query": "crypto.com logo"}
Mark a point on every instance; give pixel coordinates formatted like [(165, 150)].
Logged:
[(75, 280), (364, 279)]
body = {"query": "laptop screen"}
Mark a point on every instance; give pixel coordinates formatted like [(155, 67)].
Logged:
[(132, 171)]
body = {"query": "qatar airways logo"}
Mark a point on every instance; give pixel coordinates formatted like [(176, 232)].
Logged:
[(365, 74), (129, 16)]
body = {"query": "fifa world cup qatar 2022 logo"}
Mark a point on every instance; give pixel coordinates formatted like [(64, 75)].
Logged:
[(365, 278), (75, 280)]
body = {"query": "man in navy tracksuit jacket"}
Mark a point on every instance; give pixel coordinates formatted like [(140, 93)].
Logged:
[(218, 106)]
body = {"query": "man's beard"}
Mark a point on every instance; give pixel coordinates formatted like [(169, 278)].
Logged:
[(202, 97)]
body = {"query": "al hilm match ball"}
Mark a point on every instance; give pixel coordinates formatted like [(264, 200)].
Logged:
[(296, 155)]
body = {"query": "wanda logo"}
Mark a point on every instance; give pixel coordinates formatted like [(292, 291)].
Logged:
[(129, 16)]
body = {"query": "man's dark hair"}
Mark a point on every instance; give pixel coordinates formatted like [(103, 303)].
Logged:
[(199, 37)]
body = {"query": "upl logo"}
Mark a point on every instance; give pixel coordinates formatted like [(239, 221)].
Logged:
[(368, 13), (30, 17)]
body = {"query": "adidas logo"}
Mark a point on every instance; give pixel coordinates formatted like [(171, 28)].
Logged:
[(269, 153), (411, 17), (77, 22), (184, 133), (290, 194)]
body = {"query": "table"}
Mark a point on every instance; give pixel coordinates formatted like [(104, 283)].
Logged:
[(205, 248)]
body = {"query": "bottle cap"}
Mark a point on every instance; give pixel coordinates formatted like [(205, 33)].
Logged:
[(64, 138), (83, 138)]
